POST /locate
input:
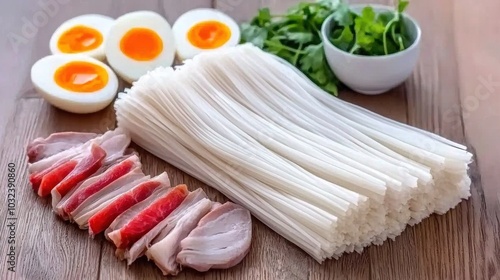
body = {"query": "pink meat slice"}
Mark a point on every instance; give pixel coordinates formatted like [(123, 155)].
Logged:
[(164, 252), (97, 183), (148, 218), (101, 220), (59, 158), (41, 148), (88, 166), (107, 196), (130, 213), (221, 240), (215, 205), (140, 246), (166, 230), (43, 182), (127, 216), (115, 148)]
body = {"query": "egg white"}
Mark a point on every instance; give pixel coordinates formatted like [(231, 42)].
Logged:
[(127, 68), (98, 22), (186, 50), (42, 77)]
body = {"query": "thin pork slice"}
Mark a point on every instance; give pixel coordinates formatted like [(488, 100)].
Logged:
[(148, 218), (166, 230), (103, 218), (80, 194), (64, 156), (139, 248), (215, 205), (85, 168), (164, 252), (69, 137), (44, 182), (130, 214), (221, 240), (115, 147), (41, 148), (107, 196), (127, 215)]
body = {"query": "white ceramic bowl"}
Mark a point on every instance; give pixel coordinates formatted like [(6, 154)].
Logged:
[(372, 74)]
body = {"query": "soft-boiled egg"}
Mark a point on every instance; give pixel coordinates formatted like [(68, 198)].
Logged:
[(85, 34), (204, 29), (139, 42), (75, 83)]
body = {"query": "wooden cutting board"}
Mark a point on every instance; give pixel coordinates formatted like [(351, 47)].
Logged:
[(453, 92)]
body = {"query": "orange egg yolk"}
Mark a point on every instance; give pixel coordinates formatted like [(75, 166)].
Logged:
[(81, 77), (79, 39), (209, 34), (141, 44)]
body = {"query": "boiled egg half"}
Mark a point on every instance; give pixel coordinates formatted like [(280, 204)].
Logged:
[(85, 34), (202, 30), (75, 83), (139, 42)]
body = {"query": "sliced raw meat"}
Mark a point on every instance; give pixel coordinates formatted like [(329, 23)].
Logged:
[(166, 230), (140, 247), (107, 196), (215, 205), (127, 215), (76, 155), (83, 170), (164, 252), (82, 193), (115, 147), (37, 177), (221, 240), (69, 137), (62, 157), (44, 182), (41, 148), (148, 218), (105, 216)]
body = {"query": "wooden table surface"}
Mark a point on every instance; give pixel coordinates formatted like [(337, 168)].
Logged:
[(455, 91)]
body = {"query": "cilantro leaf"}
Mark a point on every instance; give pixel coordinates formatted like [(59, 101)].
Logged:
[(331, 87), (300, 37), (253, 34), (263, 17), (402, 4), (368, 14), (344, 40), (343, 15), (295, 36), (313, 59), (319, 77), (385, 17)]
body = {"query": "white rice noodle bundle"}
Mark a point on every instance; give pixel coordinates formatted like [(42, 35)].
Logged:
[(327, 175)]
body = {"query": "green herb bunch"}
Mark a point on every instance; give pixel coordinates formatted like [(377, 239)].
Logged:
[(296, 35), (371, 34)]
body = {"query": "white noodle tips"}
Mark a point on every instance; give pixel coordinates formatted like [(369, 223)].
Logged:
[(327, 175)]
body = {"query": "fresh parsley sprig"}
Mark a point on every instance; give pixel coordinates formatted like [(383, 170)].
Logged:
[(296, 35), (371, 34)]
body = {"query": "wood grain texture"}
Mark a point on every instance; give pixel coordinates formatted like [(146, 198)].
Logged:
[(452, 92), (479, 82), (46, 247), (434, 103)]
